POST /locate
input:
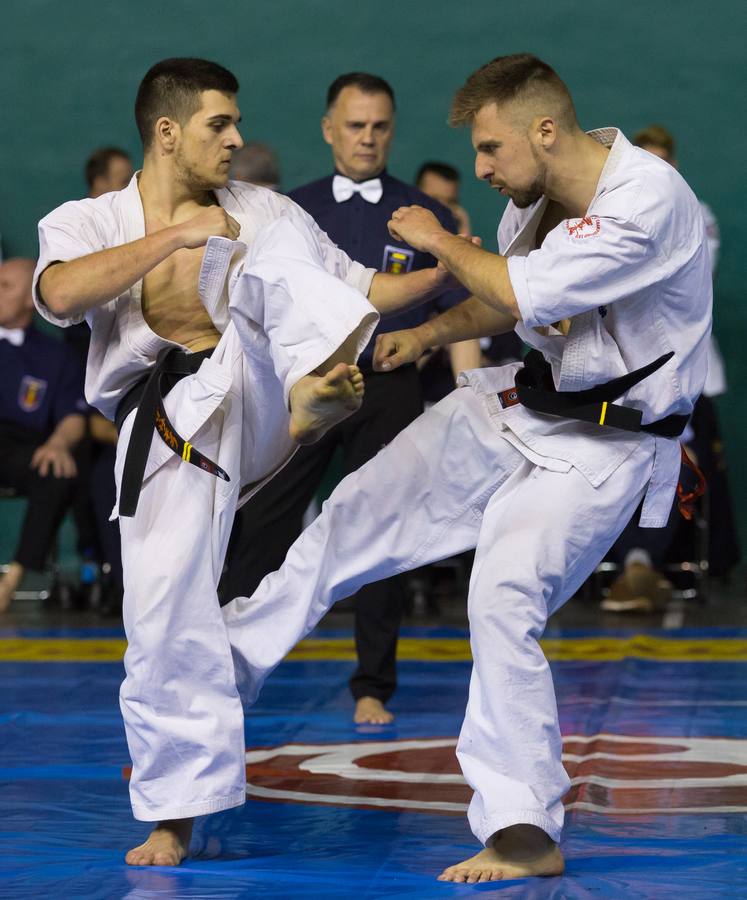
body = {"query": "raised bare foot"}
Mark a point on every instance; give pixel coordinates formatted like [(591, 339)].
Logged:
[(371, 711), (317, 402), (521, 851), (9, 585), (167, 845)]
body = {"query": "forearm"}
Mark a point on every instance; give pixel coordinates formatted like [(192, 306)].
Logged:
[(68, 433), (74, 287), (393, 293), (464, 355), (102, 430), (465, 322), (484, 274)]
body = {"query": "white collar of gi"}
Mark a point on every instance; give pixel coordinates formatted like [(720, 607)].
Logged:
[(132, 210), (619, 147)]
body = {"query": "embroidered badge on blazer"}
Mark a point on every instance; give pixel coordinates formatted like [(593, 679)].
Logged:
[(31, 393), (397, 260)]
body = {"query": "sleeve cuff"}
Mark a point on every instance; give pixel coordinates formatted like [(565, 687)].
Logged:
[(517, 274), (359, 277), (41, 306)]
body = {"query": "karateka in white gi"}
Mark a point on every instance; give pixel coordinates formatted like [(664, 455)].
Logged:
[(603, 268), (242, 280)]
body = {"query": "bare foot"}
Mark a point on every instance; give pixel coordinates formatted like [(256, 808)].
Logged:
[(370, 710), (317, 402), (9, 585), (521, 851), (167, 845)]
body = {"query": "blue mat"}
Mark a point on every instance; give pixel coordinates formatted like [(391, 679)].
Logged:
[(65, 820)]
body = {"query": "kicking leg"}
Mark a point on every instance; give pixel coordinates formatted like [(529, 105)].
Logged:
[(317, 402), (311, 324), (421, 498)]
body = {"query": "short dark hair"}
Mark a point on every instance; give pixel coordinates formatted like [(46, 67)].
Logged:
[(369, 84), (97, 163), (172, 88), (443, 170), (508, 78), (656, 136)]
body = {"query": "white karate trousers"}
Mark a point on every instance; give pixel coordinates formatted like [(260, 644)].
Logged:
[(182, 713), (449, 482)]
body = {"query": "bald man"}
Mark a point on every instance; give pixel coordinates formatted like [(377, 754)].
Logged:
[(42, 419)]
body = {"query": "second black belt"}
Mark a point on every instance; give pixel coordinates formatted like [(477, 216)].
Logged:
[(535, 390), (147, 396)]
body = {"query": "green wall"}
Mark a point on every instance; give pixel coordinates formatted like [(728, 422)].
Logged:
[(70, 72)]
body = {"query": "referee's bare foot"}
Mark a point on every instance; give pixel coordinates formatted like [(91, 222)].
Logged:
[(167, 845), (317, 402), (371, 711), (521, 851)]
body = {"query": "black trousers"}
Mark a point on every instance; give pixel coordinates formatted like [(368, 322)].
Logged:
[(103, 494), (268, 524), (48, 497)]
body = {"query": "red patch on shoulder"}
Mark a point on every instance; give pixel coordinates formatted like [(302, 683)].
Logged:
[(587, 227)]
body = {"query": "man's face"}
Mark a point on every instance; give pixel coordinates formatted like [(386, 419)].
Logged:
[(118, 175), (359, 127), (506, 158), (202, 153), (660, 152), (16, 305), (440, 188)]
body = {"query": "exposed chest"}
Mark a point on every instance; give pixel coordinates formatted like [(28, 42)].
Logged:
[(174, 281), (171, 303)]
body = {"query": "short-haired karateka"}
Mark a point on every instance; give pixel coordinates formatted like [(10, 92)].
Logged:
[(603, 270)]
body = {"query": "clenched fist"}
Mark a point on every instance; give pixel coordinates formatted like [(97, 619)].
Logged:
[(396, 348), (213, 222), (415, 226)]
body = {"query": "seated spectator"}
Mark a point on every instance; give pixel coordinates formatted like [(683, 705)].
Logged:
[(657, 140), (42, 420), (256, 163), (642, 551), (108, 169)]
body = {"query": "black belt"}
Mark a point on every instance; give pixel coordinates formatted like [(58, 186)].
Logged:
[(535, 389), (147, 396)]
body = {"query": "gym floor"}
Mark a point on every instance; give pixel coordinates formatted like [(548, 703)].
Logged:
[(653, 712)]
